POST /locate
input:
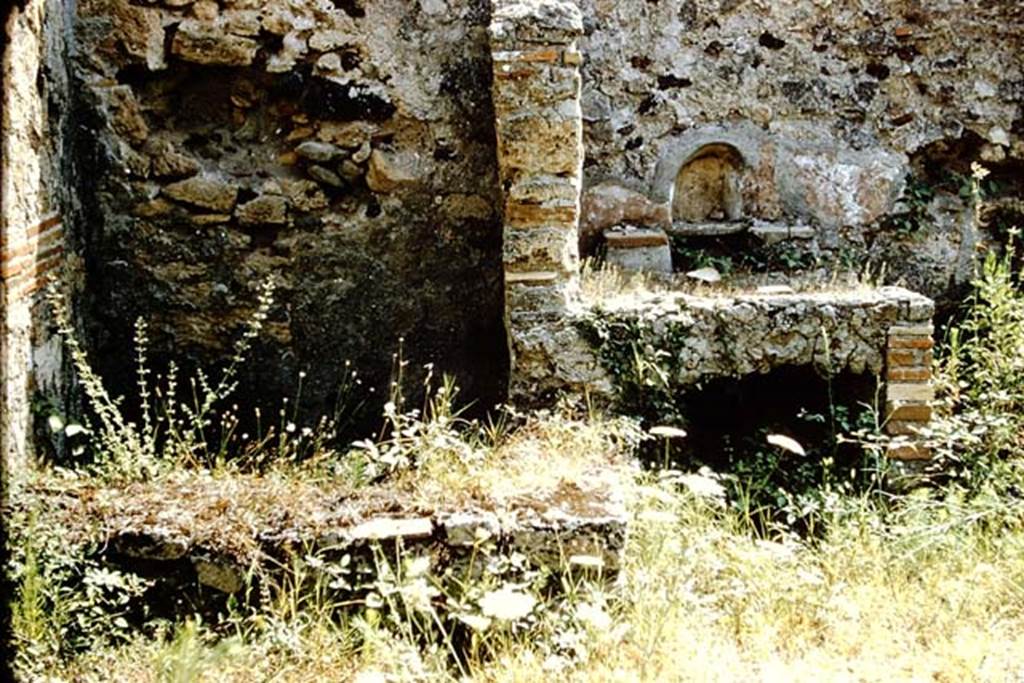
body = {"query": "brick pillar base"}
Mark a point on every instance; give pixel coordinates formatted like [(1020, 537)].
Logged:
[(539, 128), (909, 390)]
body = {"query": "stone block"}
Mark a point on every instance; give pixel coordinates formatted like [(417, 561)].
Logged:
[(169, 163), (520, 87), (543, 189), (519, 215), (905, 391), (541, 249), (219, 573), (315, 150), (903, 427), (914, 412), (125, 113), (629, 238), (540, 145), (641, 259), (265, 210), (204, 192), (142, 34), (393, 528), (909, 357), (608, 204), (912, 330), (908, 374), (773, 233), (202, 43), (551, 22), (532, 54), (910, 342), (390, 172), (534, 278), (549, 297)]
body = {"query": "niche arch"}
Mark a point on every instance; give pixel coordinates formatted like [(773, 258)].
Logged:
[(709, 186)]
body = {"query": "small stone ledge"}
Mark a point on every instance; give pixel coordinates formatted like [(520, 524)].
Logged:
[(739, 334), (184, 533)]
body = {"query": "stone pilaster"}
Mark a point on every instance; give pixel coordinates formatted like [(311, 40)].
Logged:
[(909, 390), (540, 160)]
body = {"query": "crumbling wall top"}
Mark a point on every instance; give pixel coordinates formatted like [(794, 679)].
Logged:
[(551, 22)]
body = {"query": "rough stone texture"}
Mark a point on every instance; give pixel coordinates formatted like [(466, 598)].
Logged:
[(362, 154), (829, 105), (638, 250), (348, 154), (731, 336), (217, 531), (607, 204), (35, 214), (540, 157)]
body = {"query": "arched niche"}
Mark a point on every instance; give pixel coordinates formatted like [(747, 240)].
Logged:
[(708, 187)]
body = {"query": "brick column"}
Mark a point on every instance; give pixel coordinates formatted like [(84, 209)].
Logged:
[(909, 390), (540, 163)]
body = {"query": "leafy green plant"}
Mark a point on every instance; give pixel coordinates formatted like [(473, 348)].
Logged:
[(917, 195), (66, 601)]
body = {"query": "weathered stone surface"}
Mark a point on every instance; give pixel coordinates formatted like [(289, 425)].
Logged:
[(916, 392), (349, 134), (821, 126), (553, 358), (730, 336), (204, 43), (318, 151), (541, 145), (540, 249), (390, 528), (388, 172), (820, 121), (204, 192), (125, 114), (220, 574), (167, 162), (154, 543), (639, 251), (467, 529), (608, 204), (265, 210), (535, 21), (772, 233), (325, 176)]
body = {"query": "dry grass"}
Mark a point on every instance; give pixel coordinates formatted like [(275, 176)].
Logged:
[(543, 463), (605, 284), (703, 600)]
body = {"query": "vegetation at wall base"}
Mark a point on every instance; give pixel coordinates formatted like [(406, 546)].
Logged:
[(781, 567)]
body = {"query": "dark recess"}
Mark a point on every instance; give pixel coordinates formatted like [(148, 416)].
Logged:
[(878, 71), (353, 8), (769, 41), (672, 81)]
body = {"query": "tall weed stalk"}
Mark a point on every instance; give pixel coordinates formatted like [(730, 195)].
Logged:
[(173, 430)]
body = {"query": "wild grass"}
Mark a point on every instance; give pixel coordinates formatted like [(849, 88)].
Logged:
[(924, 585), (930, 588)]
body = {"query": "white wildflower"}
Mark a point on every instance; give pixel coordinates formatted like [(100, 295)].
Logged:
[(507, 604)]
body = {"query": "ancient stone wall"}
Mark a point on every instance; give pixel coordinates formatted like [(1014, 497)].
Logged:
[(830, 105), (344, 149), (357, 153), (35, 208), (540, 159)]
